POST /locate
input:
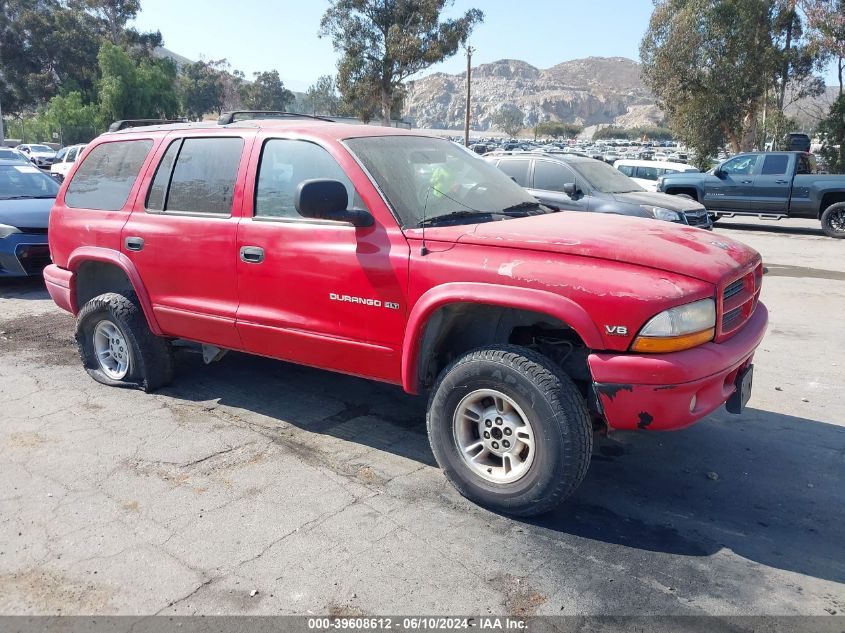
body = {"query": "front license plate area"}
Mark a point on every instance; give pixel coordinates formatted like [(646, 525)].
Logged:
[(736, 403)]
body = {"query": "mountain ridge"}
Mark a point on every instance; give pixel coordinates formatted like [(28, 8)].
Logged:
[(587, 91)]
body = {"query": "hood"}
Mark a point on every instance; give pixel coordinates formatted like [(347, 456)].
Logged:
[(657, 199), (32, 214), (640, 241)]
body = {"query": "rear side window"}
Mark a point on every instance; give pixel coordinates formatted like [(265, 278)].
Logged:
[(516, 169), (646, 173), (628, 170), (775, 165), (197, 175), (105, 178), (285, 164)]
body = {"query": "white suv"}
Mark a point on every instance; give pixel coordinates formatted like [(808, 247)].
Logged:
[(65, 158), (646, 172)]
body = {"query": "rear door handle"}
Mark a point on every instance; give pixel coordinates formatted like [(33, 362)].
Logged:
[(746, 182), (134, 243), (252, 254)]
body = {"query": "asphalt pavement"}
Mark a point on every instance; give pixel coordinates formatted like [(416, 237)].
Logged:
[(251, 486)]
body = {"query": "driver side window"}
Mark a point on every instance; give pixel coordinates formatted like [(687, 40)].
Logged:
[(741, 165), (285, 163)]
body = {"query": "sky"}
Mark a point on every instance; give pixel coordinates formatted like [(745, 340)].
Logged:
[(258, 35)]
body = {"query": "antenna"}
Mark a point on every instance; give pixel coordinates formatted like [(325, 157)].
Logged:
[(424, 248)]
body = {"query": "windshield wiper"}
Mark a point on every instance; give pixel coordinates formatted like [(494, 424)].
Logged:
[(524, 206), (26, 197), (456, 215)]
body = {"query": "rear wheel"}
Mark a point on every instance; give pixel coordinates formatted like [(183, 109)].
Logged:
[(117, 346), (833, 220), (510, 430)]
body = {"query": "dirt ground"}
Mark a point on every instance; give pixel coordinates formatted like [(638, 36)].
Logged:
[(253, 486)]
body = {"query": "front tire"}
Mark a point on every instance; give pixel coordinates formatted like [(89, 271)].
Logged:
[(510, 430), (117, 347), (833, 220)]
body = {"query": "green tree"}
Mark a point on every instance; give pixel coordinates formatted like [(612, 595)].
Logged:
[(648, 132), (45, 48), (266, 92), (384, 42), (709, 63), (75, 121), (826, 26), (200, 89), (556, 129), (113, 14), (509, 119), (832, 132), (133, 89), (321, 97)]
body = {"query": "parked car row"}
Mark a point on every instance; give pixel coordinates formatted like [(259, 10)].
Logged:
[(44, 157), (578, 183)]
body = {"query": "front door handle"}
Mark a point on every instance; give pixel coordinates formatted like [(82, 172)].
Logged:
[(252, 254), (781, 182), (134, 243), (746, 182)]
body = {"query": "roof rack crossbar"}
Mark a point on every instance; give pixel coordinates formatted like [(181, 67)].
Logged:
[(244, 115), (122, 124)]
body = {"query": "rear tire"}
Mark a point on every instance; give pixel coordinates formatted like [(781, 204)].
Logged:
[(539, 434), (117, 347), (833, 220)]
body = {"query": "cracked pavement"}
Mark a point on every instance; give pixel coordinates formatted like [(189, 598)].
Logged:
[(258, 487)]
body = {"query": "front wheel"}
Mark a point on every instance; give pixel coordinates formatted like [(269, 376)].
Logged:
[(833, 220), (510, 430)]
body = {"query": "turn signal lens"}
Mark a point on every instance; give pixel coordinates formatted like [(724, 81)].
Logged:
[(664, 344)]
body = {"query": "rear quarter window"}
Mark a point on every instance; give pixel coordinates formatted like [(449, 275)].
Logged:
[(105, 178)]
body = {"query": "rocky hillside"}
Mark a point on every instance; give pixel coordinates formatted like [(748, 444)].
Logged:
[(584, 91)]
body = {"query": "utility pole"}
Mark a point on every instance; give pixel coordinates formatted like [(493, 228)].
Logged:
[(469, 50)]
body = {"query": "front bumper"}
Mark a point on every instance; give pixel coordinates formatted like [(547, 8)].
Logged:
[(23, 254), (656, 391)]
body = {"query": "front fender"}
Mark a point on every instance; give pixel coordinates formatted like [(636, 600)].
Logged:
[(540, 301), (109, 256)]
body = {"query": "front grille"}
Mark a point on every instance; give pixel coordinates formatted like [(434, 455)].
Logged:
[(733, 289), (696, 218), (33, 257), (730, 318), (738, 301), (29, 230)]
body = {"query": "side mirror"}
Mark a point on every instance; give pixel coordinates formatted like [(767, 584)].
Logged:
[(718, 172), (323, 199), (570, 189)]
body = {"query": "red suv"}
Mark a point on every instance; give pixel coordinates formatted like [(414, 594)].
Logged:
[(404, 258)]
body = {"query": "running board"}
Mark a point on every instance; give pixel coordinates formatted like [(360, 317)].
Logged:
[(742, 214)]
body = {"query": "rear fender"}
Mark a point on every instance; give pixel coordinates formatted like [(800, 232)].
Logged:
[(540, 301), (85, 254)]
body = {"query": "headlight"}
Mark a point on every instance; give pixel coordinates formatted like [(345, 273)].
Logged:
[(659, 213), (678, 328), (6, 231)]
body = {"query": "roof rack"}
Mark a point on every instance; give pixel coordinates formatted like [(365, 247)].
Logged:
[(126, 123), (245, 115)]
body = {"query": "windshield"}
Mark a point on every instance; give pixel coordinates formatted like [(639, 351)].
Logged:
[(424, 178), (11, 154), (25, 181), (602, 177), (40, 148)]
